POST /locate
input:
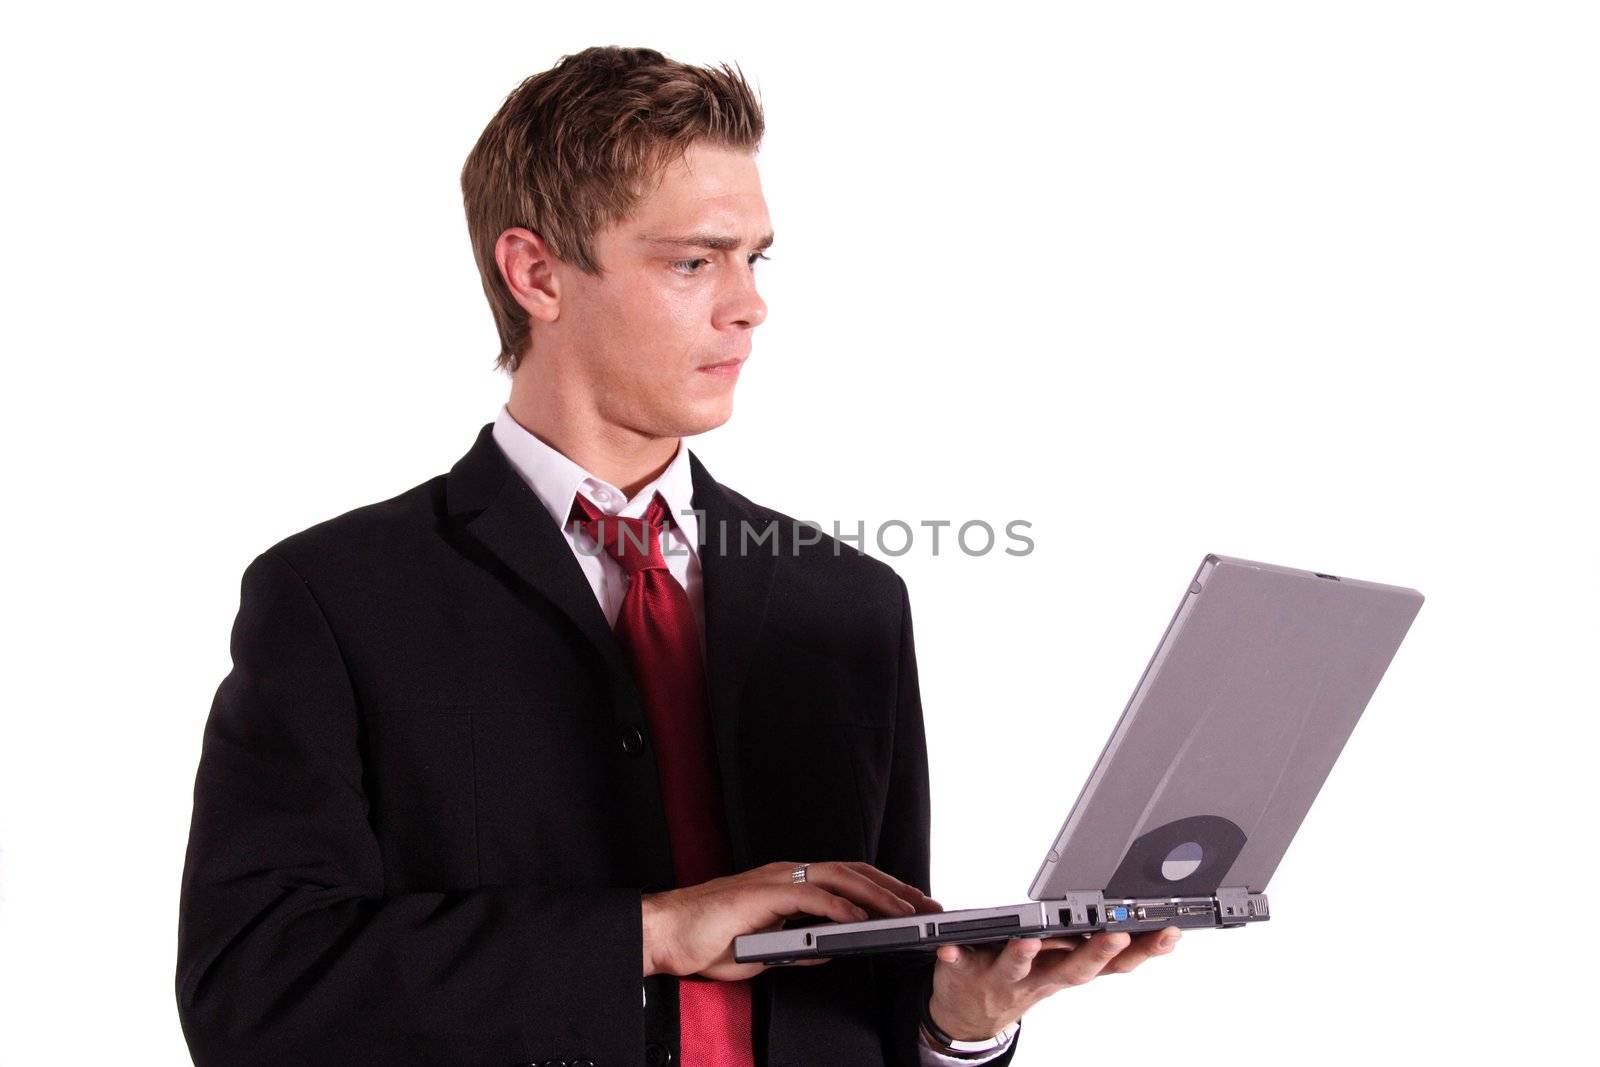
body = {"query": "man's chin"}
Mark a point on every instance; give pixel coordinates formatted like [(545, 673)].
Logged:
[(704, 418)]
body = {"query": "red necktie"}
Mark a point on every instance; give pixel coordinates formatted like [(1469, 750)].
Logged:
[(657, 627)]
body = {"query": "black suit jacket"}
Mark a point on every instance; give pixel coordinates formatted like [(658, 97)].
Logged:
[(427, 803)]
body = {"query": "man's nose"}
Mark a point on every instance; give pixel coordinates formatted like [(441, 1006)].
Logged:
[(745, 306)]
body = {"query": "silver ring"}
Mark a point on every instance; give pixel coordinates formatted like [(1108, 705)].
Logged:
[(798, 875)]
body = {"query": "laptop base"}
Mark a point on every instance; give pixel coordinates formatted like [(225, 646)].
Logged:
[(1076, 913)]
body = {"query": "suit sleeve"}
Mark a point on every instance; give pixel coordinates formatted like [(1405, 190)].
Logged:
[(904, 981), (289, 949)]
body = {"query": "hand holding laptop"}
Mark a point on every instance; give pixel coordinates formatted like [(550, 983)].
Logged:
[(979, 991), (691, 930)]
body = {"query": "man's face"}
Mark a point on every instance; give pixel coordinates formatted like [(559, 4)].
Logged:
[(658, 338)]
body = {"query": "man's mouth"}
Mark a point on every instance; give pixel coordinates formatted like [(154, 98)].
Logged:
[(726, 367)]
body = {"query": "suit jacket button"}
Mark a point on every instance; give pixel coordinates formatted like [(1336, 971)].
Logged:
[(580, 1063), (656, 1055), (633, 744)]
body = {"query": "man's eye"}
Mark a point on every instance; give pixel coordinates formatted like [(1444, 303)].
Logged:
[(692, 266)]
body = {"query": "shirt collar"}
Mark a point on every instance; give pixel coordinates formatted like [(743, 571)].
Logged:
[(555, 480)]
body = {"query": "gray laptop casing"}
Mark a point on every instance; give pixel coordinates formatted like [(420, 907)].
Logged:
[(1251, 694)]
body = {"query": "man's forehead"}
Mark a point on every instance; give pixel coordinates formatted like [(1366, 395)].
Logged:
[(707, 198)]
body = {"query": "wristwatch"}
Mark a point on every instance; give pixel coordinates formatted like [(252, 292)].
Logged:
[(944, 1044)]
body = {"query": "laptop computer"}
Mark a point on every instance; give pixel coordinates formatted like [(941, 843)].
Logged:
[(1235, 723)]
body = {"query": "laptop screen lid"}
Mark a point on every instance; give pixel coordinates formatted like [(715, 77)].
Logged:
[(1233, 727)]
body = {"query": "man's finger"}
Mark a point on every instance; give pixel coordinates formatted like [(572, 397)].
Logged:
[(849, 881), (920, 900), (1083, 963), (1016, 960), (814, 900), (1154, 943)]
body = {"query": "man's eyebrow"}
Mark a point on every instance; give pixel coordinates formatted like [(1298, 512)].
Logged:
[(717, 241)]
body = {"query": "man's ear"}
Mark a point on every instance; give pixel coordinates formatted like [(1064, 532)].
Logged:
[(528, 268)]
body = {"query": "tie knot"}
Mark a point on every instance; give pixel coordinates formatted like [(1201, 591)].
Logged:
[(635, 543)]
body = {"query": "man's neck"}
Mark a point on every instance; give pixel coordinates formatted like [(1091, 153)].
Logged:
[(622, 457)]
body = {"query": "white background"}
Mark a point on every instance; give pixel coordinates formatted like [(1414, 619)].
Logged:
[(1310, 284)]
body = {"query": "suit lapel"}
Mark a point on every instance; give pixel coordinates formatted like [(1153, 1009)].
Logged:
[(735, 586), (513, 523)]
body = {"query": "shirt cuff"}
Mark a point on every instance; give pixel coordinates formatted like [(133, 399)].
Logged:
[(932, 1058)]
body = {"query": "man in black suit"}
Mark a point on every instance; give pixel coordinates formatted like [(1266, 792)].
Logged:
[(431, 819)]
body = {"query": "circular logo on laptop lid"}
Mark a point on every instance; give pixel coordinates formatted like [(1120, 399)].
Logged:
[(1182, 861)]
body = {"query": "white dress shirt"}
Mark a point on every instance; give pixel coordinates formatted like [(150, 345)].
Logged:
[(555, 480)]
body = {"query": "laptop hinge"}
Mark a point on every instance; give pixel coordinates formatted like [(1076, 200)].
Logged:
[(1236, 904)]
